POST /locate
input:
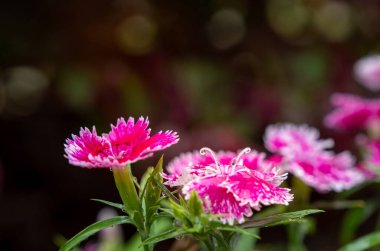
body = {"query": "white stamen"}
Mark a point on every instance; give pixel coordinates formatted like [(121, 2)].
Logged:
[(206, 150), (237, 159)]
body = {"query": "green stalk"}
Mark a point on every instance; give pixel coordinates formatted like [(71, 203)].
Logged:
[(132, 204), (127, 190)]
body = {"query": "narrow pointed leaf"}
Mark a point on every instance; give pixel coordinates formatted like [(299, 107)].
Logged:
[(195, 205), (363, 243), (93, 229), (279, 219), (172, 233), (166, 191), (109, 203), (239, 230), (144, 180)]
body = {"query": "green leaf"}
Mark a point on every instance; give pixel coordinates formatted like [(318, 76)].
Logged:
[(245, 242), (144, 180), (279, 219), (109, 203), (363, 243), (179, 212), (353, 218), (161, 225), (239, 230), (172, 233), (134, 243), (162, 215), (166, 191), (195, 205), (151, 192), (93, 229)]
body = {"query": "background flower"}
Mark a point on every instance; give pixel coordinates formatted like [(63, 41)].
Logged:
[(367, 72), (352, 112), (308, 157)]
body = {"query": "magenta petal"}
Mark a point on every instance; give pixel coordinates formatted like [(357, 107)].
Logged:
[(372, 154), (125, 135), (217, 200), (88, 150), (131, 141), (161, 140), (290, 140), (351, 112), (249, 188)]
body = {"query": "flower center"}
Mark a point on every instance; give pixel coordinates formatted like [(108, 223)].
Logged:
[(219, 168)]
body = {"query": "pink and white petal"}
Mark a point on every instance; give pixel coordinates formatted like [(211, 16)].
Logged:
[(88, 150), (290, 139), (184, 160), (249, 189), (256, 161), (327, 172), (217, 199), (161, 140), (181, 179)]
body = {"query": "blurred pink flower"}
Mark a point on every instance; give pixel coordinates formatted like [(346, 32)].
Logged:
[(127, 142), (288, 139), (367, 72), (229, 184), (371, 157), (372, 154), (352, 112), (326, 172), (306, 156)]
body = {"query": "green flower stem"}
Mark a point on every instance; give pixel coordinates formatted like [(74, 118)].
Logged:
[(132, 204), (127, 190)]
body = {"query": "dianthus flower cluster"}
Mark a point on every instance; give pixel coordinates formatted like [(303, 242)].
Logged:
[(230, 184)]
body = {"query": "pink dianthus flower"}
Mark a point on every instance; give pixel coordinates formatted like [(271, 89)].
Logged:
[(306, 156), (229, 184), (367, 72), (352, 112), (126, 143), (371, 157), (288, 139)]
